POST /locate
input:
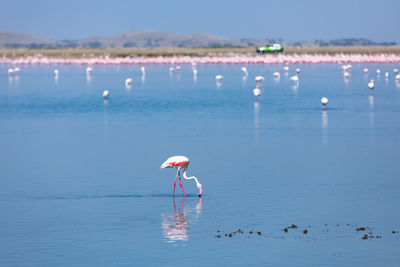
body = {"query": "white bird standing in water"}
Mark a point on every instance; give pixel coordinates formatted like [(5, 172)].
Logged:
[(181, 162), (277, 75), (143, 70), (324, 102), (257, 91), (371, 84), (244, 71), (295, 78), (219, 77), (128, 82), (10, 72), (366, 71), (378, 72), (89, 71), (56, 72), (297, 70), (387, 75), (286, 68), (106, 94)]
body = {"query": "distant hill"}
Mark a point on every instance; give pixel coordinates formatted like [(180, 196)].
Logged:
[(137, 39), (19, 40)]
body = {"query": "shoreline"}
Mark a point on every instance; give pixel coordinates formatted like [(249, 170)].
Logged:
[(237, 59)]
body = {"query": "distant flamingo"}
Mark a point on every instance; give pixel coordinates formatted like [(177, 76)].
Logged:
[(371, 84), (89, 71), (257, 91), (286, 68), (366, 71), (297, 70), (324, 102), (277, 75), (106, 94), (378, 72), (219, 77), (10, 72), (143, 70), (180, 162), (128, 82), (295, 78), (56, 72), (244, 71)]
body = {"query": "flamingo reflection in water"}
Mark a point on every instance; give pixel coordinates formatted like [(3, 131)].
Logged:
[(175, 226)]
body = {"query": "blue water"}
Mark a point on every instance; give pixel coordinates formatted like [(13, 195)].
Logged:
[(81, 184)]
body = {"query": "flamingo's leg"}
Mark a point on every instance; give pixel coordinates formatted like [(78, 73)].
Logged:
[(180, 183), (173, 193)]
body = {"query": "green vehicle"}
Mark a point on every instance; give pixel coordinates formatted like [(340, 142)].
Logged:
[(270, 48)]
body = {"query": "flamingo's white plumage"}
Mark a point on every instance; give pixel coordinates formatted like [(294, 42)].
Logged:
[(181, 162), (128, 81), (89, 71), (259, 78), (277, 75), (324, 101), (257, 91), (244, 71), (106, 94), (371, 84), (219, 77)]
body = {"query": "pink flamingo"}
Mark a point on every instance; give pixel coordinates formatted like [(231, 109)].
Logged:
[(180, 162)]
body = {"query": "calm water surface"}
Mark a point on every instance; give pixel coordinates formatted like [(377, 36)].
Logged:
[(81, 184)]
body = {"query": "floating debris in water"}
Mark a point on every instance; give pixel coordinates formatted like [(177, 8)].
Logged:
[(364, 237), (293, 226), (360, 229), (285, 230), (305, 231)]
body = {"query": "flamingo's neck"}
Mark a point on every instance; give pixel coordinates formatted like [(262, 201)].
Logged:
[(193, 177)]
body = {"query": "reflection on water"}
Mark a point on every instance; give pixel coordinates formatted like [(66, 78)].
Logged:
[(324, 125), (371, 100), (175, 226), (256, 119), (143, 78), (88, 79), (295, 86), (219, 84)]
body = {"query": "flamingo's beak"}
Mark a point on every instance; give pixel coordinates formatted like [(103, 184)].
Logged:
[(200, 192)]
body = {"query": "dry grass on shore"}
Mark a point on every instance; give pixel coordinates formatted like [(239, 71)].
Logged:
[(224, 51)]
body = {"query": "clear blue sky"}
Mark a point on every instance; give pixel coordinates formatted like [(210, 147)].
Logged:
[(291, 20)]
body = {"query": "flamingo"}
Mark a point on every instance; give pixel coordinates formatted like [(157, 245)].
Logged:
[(17, 70), (128, 82), (397, 77), (219, 77), (181, 162), (89, 71), (178, 68), (395, 70), (366, 71), (324, 101), (106, 94), (257, 91), (346, 74), (387, 75), (277, 75), (171, 70), (371, 84), (10, 72), (56, 72), (259, 79), (143, 70), (295, 78), (244, 71), (297, 70), (378, 72), (286, 68)]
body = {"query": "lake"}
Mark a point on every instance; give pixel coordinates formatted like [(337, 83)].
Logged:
[(81, 182)]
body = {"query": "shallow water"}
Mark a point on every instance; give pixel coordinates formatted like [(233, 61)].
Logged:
[(81, 181)]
